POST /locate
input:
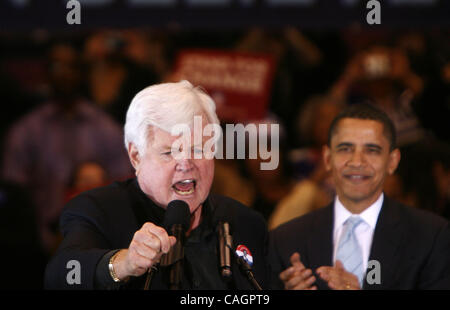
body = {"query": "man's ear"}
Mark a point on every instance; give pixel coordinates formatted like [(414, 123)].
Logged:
[(326, 153), (133, 154), (394, 159)]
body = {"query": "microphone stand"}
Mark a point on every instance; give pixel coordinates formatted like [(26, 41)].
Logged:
[(245, 267), (176, 275), (173, 260), (149, 277)]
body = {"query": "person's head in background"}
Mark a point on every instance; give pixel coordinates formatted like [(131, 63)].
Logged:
[(64, 73), (381, 74), (378, 64), (85, 176), (162, 174), (89, 175), (315, 118), (270, 172), (265, 150), (422, 179), (360, 154), (105, 47)]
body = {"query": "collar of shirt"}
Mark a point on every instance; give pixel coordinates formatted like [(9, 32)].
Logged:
[(370, 215)]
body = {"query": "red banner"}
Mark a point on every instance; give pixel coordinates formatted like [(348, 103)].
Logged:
[(239, 83)]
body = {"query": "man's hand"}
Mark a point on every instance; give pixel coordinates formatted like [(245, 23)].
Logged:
[(148, 245), (297, 277), (338, 278)]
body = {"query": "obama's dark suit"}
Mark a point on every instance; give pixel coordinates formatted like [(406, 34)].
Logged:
[(412, 246)]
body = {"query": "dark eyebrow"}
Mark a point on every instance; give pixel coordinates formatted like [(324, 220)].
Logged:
[(372, 145), (344, 144)]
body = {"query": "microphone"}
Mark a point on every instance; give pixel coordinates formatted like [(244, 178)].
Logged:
[(176, 223), (225, 244), (222, 218)]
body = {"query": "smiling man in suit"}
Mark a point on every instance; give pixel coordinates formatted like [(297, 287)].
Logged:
[(331, 248)]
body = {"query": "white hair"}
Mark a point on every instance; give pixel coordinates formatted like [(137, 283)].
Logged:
[(164, 106)]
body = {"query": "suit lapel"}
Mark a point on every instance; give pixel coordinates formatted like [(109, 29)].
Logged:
[(386, 240), (320, 242)]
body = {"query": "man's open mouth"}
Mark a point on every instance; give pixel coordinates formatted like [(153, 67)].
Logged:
[(185, 187)]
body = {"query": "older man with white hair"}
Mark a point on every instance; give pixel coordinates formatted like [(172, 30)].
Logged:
[(114, 234)]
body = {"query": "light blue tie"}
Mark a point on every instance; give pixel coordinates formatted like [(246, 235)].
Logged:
[(349, 252)]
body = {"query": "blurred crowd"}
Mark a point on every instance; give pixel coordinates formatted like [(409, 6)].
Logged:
[(65, 97)]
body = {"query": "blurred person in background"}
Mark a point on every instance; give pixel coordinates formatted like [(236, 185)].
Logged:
[(382, 76), (149, 49), (429, 53), (270, 186), (10, 92), (313, 121), (245, 181), (44, 146), (229, 179), (315, 187), (23, 257), (306, 63), (116, 69), (423, 177), (87, 175), (19, 99)]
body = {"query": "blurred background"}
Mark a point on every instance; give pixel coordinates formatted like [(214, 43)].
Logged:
[(65, 90)]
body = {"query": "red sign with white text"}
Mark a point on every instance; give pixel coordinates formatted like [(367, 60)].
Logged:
[(239, 83)]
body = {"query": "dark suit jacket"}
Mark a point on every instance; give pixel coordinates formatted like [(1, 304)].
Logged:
[(412, 246), (104, 219)]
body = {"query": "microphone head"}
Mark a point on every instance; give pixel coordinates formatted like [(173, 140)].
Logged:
[(177, 212), (222, 215)]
